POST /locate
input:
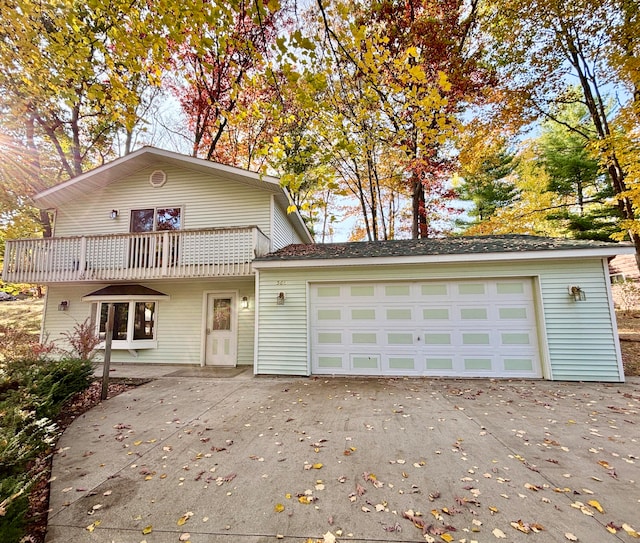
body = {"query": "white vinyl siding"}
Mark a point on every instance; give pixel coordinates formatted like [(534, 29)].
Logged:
[(283, 233), (207, 201), (179, 321), (578, 340)]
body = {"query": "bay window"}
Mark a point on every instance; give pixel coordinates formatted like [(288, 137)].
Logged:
[(133, 324)]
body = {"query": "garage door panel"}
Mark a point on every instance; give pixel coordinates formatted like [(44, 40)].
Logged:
[(448, 328), (363, 313), (330, 361), (366, 363), (362, 291)]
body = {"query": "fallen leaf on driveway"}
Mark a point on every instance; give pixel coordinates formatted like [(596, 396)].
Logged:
[(499, 533), (596, 505), (147, 530), (93, 526), (329, 538), (184, 518), (630, 530), (570, 536)]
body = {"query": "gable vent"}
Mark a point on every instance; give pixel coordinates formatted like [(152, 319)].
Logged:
[(157, 178)]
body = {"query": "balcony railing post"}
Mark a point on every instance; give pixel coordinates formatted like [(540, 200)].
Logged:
[(82, 265), (166, 251), (207, 252)]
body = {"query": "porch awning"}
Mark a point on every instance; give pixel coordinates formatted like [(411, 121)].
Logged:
[(114, 293)]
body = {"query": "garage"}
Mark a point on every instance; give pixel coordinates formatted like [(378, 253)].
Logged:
[(507, 306), (463, 328)]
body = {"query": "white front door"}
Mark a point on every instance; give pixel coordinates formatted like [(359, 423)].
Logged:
[(222, 336)]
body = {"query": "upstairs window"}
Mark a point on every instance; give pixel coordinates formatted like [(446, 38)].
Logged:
[(156, 220)]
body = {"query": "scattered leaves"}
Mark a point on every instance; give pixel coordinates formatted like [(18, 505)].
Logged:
[(627, 528)]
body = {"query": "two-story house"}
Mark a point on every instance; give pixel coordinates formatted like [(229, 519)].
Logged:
[(204, 265), (171, 241)]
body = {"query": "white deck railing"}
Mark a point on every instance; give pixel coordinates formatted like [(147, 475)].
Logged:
[(210, 252)]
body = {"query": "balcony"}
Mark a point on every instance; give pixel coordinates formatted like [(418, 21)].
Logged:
[(211, 252)]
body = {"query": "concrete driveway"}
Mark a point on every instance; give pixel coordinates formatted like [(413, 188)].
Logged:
[(266, 459)]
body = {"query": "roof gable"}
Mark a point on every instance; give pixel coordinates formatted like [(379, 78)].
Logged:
[(146, 157), (154, 158)]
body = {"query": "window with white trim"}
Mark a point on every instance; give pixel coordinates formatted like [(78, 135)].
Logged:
[(134, 324)]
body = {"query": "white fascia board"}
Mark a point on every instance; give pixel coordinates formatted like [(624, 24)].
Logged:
[(444, 259)]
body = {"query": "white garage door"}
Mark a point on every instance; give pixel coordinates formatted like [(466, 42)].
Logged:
[(445, 328)]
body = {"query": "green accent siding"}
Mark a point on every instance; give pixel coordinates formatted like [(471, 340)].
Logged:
[(364, 338), (399, 314), (508, 313), (435, 314), (363, 314), (477, 363), (474, 313), (402, 363), (367, 290), (439, 364), (329, 314), (518, 364)]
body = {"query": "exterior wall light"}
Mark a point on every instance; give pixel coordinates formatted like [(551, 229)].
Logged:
[(63, 305), (244, 303), (114, 214), (280, 299), (577, 293)]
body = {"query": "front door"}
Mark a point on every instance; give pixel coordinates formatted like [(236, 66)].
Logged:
[(221, 344)]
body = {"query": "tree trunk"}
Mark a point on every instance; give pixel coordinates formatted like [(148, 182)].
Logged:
[(34, 159)]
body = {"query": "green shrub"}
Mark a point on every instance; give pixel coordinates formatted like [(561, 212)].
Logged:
[(32, 393)]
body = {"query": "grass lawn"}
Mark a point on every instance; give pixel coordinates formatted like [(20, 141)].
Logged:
[(28, 313)]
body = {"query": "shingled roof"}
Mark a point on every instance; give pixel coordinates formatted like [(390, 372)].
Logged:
[(437, 246)]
